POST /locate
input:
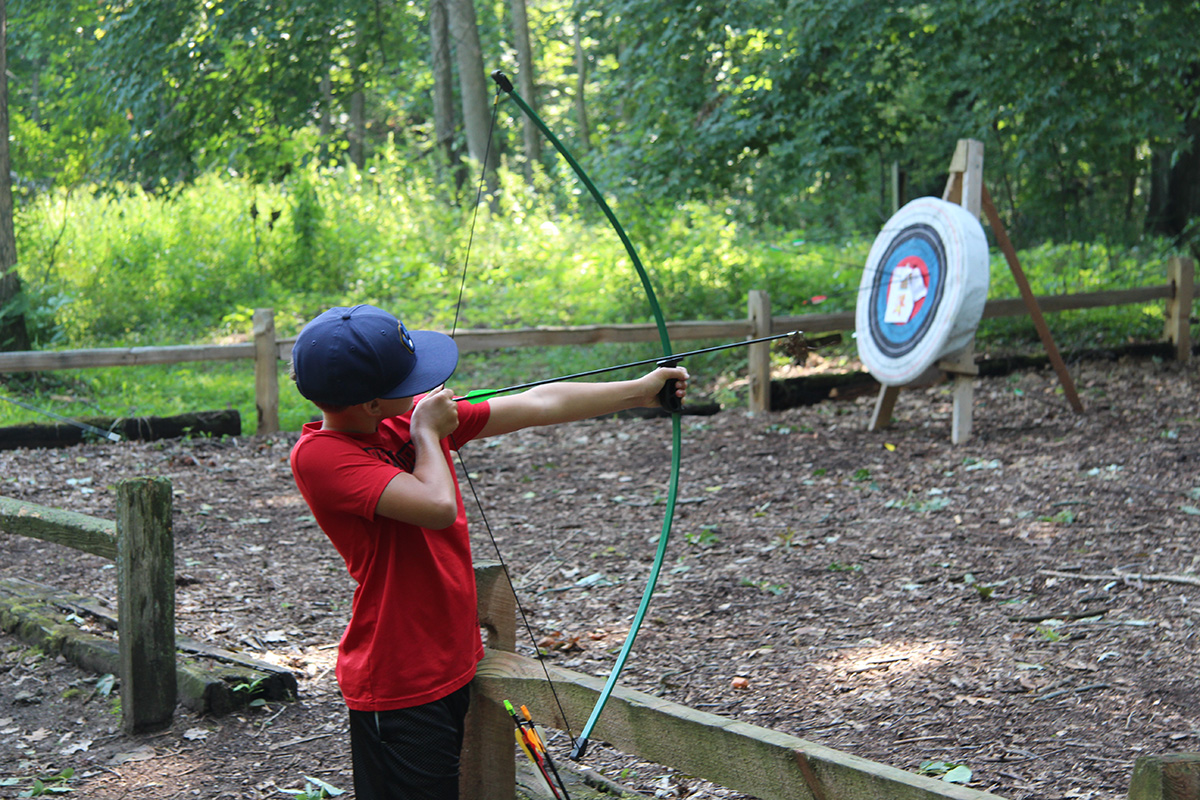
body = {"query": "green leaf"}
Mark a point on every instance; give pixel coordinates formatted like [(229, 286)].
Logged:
[(329, 789), (958, 774)]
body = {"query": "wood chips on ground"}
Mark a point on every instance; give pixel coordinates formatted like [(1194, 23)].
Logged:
[(1025, 604)]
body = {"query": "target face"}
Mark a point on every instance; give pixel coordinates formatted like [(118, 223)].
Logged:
[(922, 291)]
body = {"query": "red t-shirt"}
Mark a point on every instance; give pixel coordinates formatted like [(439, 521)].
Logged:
[(413, 635)]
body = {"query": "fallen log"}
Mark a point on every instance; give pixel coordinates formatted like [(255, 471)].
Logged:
[(810, 390), (227, 422), (210, 679)]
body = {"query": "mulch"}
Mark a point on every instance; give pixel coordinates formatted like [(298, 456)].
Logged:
[(1024, 604)]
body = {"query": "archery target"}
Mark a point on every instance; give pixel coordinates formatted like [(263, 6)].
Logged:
[(922, 291)]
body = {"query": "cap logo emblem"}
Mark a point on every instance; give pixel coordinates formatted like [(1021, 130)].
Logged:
[(407, 340)]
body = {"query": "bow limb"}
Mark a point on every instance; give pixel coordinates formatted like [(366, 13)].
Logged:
[(676, 426)]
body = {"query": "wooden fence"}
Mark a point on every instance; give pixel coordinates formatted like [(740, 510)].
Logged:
[(141, 543), (157, 667), (268, 350)]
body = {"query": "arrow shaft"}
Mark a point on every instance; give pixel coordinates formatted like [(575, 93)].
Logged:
[(664, 360)]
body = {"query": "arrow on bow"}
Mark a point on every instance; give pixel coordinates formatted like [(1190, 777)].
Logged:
[(666, 395)]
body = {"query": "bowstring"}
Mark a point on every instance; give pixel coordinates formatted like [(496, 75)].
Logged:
[(487, 525)]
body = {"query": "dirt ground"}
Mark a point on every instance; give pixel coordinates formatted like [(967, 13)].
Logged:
[(1024, 605)]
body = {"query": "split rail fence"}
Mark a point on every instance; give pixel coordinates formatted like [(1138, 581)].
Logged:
[(157, 667), (267, 350), (140, 541)]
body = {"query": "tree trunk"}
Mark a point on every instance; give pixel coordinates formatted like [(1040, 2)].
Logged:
[(325, 116), (443, 87), (325, 119), (526, 80), (473, 86), (1175, 180), (13, 333), (358, 126), (585, 134)]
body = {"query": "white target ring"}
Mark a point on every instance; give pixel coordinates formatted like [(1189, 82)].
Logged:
[(922, 291)]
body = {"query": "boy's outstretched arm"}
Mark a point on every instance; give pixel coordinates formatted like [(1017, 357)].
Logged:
[(566, 402)]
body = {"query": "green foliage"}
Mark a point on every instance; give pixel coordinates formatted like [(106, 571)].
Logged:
[(136, 268), (43, 785), (774, 589), (787, 116), (801, 107), (706, 537)]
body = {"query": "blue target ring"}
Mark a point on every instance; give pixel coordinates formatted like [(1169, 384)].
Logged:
[(922, 290), (917, 249)]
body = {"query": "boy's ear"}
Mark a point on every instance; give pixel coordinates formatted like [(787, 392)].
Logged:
[(372, 407)]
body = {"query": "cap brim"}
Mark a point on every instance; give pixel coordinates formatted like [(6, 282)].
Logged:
[(437, 358)]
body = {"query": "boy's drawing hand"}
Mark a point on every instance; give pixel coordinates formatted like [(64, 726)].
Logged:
[(655, 381), (436, 412)]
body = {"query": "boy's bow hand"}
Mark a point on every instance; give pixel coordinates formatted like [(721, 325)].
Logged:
[(668, 388)]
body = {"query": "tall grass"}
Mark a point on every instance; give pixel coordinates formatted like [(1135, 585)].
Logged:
[(134, 268)]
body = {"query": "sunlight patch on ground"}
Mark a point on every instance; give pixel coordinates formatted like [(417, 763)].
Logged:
[(893, 657)]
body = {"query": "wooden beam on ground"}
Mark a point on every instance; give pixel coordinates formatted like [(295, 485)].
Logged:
[(735, 755), (89, 534), (1031, 303), (207, 676), (226, 422)]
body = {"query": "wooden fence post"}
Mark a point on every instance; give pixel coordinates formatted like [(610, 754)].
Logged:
[(266, 375), (1175, 776), (1181, 274), (760, 354), (146, 604), (488, 768)]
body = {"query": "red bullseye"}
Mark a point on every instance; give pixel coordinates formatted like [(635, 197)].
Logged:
[(901, 292)]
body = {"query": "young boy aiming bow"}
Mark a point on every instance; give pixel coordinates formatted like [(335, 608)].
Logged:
[(376, 471)]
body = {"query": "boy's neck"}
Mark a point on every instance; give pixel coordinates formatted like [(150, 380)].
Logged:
[(352, 420)]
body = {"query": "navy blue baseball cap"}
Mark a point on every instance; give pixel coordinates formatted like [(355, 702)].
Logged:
[(348, 356)]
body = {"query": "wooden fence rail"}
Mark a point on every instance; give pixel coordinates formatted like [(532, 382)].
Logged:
[(267, 350)]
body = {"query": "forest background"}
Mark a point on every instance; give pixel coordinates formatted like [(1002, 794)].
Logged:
[(168, 167)]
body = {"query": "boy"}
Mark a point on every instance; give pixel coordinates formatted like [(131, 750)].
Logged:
[(377, 474)]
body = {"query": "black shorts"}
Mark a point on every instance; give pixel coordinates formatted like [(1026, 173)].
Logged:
[(410, 753)]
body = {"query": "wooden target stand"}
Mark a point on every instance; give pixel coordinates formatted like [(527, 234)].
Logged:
[(965, 187)]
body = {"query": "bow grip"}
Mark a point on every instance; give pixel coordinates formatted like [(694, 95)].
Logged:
[(666, 395)]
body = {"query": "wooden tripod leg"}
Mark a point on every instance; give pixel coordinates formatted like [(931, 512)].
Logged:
[(885, 404), (1031, 303)]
